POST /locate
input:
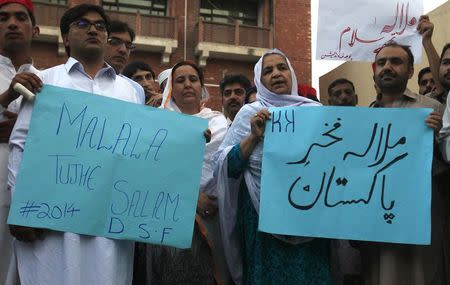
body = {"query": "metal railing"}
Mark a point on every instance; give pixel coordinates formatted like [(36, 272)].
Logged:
[(152, 26), (235, 34)]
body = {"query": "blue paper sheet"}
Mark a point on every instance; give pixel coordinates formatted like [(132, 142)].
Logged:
[(347, 173), (99, 166)]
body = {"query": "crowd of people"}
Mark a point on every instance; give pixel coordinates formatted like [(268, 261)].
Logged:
[(227, 247)]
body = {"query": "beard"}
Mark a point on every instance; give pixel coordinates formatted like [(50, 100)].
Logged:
[(445, 82), (14, 47), (396, 84), (346, 103), (233, 107)]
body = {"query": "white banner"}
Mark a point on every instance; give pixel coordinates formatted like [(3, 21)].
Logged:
[(354, 30)]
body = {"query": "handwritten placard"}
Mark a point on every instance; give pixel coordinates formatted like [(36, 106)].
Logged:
[(356, 29), (347, 173), (99, 166)]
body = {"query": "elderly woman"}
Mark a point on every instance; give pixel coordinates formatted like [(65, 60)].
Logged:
[(204, 263), (255, 257)]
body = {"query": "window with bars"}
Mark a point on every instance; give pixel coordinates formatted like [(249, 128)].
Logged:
[(228, 11), (145, 7)]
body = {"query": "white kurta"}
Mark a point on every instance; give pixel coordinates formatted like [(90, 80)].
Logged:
[(7, 72), (67, 258), (139, 90), (218, 126)]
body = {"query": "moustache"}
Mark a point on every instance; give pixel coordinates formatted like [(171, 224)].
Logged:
[(387, 73), (233, 102)]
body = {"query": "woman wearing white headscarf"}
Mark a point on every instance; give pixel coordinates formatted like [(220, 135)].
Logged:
[(204, 263), (255, 257)]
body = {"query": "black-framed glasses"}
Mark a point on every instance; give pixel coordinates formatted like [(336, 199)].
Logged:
[(117, 42), (84, 24), (237, 91)]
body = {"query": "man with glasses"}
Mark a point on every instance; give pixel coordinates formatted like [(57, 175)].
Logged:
[(232, 88), (51, 257), (118, 50)]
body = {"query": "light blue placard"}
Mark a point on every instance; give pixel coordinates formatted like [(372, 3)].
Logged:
[(347, 173), (99, 166)]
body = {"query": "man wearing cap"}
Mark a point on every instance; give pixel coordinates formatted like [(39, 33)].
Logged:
[(51, 257), (17, 29)]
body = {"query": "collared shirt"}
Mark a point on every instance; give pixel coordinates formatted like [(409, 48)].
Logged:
[(441, 98), (138, 87), (413, 100), (63, 257), (72, 75), (413, 264)]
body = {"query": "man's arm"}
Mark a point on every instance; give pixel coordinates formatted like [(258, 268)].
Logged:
[(30, 80), (17, 144), (426, 28)]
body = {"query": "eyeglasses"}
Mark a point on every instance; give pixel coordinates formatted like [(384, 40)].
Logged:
[(237, 91), (84, 24), (117, 42)]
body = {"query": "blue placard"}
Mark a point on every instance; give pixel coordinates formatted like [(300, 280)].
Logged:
[(347, 173), (99, 166)]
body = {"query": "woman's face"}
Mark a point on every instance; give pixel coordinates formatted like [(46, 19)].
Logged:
[(187, 88), (276, 75)]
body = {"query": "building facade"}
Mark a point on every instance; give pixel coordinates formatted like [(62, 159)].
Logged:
[(222, 36)]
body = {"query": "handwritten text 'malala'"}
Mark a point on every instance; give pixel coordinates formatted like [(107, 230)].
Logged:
[(89, 132)]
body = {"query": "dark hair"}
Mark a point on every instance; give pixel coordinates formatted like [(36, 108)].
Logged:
[(234, 78), (422, 72), (404, 47), (248, 91), (116, 26), (32, 18), (77, 12), (339, 81), (30, 14), (446, 47), (191, 64), (133, 67)]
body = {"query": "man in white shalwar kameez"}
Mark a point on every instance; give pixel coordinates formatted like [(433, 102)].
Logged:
[(17, 29), (48, 257)]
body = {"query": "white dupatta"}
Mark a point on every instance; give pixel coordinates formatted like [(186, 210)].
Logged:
[(217, 123), (228, 188)]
